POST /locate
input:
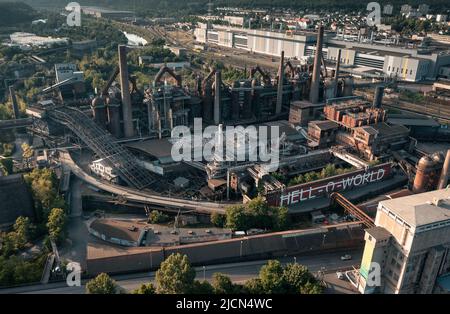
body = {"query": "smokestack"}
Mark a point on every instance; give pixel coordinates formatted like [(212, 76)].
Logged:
[(378, 96), (150, 117), (315, 82), (158, 116), (445, 172), (15, 105), (170, 119), (217, 86), (336, 73), (280, 85), (125, 91)]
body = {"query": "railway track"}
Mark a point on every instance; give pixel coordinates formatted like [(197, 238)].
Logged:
[(437, 111)]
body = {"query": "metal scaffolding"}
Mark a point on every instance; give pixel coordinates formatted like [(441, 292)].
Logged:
[(103, 144)]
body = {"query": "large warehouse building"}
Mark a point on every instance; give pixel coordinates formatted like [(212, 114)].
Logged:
[(407, 64), (410, 244)]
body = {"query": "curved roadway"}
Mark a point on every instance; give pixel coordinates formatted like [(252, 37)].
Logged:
[(142, 196)]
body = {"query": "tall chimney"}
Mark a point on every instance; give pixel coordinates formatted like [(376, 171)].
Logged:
[(217, 86), (15, 105), (150, 115), (378, 96), (125, 91), (315, 82), (336, 73), (280, 85), (170, 119), (158, 117), (445, 172)]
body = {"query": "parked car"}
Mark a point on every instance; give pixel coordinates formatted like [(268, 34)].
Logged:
[(346, 257), (340, 275)]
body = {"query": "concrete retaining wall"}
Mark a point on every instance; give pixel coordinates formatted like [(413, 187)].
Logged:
[(100, 258)]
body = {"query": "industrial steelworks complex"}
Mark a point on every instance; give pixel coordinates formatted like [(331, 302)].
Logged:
[(335, 146)]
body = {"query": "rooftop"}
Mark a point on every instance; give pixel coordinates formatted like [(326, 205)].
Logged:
[(421, 209), (414, 122), (379, 233), (325, 125), (118, 229), (157, 235), (159, 148), (384, 129)]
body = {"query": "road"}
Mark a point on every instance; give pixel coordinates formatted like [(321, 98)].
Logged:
[(238, 272)]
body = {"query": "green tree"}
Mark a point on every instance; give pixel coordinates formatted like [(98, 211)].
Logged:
[(43, 184), (237, 218), (218, 220), (281, 218), (201, 287), (145, 289), (6, 165), (27, 153), (222, 284), (102, 284), (175, 275), (157, 217), (296, 276), (311, 288), (8, 247), (15, 270), (253, 286), (56, 224), (22, 231), (271, 276), (260, 212)]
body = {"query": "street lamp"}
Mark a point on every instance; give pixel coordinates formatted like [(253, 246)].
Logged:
[(240, 251), (204, 273), (295, 259)]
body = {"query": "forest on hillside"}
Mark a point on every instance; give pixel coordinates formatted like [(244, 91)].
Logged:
[(154, 8), (15, 13)]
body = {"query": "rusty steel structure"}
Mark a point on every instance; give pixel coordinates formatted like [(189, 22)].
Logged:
[(352, 209), (128, 130), (445, 172)]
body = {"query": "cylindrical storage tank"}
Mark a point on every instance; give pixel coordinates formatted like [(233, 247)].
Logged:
[(425, 167), (114, 109), (348, 86), (99, 111)]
